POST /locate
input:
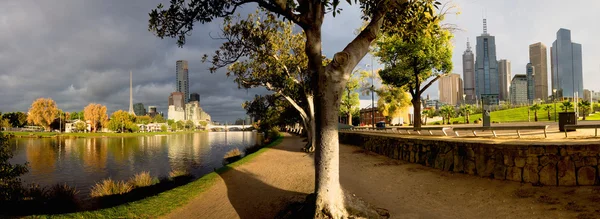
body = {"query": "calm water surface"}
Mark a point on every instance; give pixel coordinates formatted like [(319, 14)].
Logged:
[(82, 162)]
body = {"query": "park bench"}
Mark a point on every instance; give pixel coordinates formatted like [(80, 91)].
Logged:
[(502, 128), (428, 129), (585, 126)]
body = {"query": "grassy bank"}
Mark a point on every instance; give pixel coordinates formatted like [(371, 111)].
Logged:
[(89, 135), (164, 202)]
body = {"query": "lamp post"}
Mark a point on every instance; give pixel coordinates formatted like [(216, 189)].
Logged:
[(554, 100), (465, 113), (372, 93)]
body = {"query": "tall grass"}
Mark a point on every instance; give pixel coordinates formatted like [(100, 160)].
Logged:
[(233, 154), (109, 187), (178, 173), (142, 179)]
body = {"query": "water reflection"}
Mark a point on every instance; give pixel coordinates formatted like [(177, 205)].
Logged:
[(81, 162)]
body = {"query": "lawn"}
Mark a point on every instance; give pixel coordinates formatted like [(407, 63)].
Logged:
[(520, 115), (90, 134), (163, 203)]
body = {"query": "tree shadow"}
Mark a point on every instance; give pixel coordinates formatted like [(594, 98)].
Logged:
[(253, 198)]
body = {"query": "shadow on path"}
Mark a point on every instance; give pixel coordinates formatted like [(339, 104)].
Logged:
[(253, 198)]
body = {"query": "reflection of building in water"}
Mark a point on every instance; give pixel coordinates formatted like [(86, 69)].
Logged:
[(41, 157), (187, 150), (94, 155)]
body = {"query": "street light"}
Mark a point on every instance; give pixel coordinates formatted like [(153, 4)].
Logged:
[(554, 100), (372, 93), (465, 113)]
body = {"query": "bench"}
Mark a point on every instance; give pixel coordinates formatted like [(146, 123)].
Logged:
[(588, 126), (501, 128), (428, 129)]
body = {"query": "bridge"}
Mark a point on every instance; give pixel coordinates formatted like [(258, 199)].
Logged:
[(228, 127)]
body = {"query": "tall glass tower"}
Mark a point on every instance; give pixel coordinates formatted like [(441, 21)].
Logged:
[(486, 65), (567, 71), (182, 83), (468, 59)]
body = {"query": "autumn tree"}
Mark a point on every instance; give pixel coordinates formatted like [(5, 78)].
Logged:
[(350, 97), (121, 121), (416, 59), (392, 100), (43, 111), (278, 64), (96, 114), (328, 81)]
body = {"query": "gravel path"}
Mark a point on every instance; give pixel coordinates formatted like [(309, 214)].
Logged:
[(264, 186)]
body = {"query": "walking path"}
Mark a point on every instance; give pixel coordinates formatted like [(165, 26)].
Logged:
[(282, 175)]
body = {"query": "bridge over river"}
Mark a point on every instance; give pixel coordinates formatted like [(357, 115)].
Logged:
[(227, 127)]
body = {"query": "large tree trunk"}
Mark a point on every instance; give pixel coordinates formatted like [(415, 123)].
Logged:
[(416, 101), (468, 115), (349, 118), (312, 126)]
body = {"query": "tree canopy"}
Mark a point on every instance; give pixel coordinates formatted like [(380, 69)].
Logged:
[(43, 111), (96, 114)]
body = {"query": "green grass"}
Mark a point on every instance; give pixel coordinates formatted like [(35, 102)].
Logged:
[(520, 115), (90, 134), (165, 202)]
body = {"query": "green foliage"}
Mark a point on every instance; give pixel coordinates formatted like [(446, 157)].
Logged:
[(392, 100), (158, 119), (448, 112), (77, 115), (80, 126), (350, 98), (16, 119), (143, 120), (10, 183), (271, 111), (566, 106), (203, 123), (584, 108), (189, 125), (535, 108), (170, 122), (4, 123), (164, 128), (121, 121)]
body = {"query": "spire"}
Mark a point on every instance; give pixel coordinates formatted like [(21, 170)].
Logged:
[(484, 26), (131, 94), (468, 44)]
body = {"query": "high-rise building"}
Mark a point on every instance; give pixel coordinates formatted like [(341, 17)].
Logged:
[(587, 95), (451, 89), (505, 75), (177, 99), (518, 90), (530, 72), (152, 111), (182, 83), (139, 109), (486, 66), (131, 94), (194, 97), (469, 74), (567, 72), (538, 57)]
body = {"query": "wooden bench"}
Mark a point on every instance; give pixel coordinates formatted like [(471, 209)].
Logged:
[(501, 128), (586, 126)]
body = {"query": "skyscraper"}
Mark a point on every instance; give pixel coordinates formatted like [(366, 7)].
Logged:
[(182, 83), (530, 70), (538, 57), (139, 109), (486, 66), (194, 97), (451, 89), (131, 94), (505, 76), (567, 72), (518, 90), (469, 74)]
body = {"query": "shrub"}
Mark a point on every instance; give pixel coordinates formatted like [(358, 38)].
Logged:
[(10, 183), (109, 187), (63, 196), (142, 179), (437, 123), (272, 134), (455, 122), (233, 153), (178, 173)]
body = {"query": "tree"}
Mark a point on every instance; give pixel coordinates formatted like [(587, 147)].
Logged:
[(121, 121), (170, 122), (43, 111), (4, 123), (327, 80), (77, 115), (535, 108), (10, 183), (548, 108), (584, 107), (391, 101), (466, 110), (16, 119), (566, 106), (427, 113), (96, 114), (415, 60), (163, 128), (143, 119), (448, 112), (350, 98), (278, 64), (189, 125), (80, 126), (158, 119)]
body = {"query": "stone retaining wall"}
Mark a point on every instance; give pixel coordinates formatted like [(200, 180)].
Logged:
[(563, 165)]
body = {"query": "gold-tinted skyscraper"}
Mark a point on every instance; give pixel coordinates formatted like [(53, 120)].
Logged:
[(451, 89), (131, 112), (538, 57)]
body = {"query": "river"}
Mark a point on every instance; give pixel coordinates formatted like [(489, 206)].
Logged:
[(82, 162)]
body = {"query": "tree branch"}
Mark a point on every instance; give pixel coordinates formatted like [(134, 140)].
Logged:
[(431, 82)]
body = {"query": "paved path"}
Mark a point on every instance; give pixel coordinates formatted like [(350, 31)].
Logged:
[(263, 186)]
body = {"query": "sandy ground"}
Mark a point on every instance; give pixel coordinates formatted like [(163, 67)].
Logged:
[(264, 186)]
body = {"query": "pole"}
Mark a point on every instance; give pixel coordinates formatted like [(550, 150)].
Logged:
[(372, 95)]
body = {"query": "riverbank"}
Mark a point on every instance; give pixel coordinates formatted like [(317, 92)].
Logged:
[(165, 202), (92, 134)]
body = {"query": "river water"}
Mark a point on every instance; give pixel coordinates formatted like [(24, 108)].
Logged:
[(82, 162)]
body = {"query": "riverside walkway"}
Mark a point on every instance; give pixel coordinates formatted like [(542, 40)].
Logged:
[(282, 175)]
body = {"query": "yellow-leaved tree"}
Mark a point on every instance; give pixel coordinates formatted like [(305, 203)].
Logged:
[(96, 114), (42, 112)]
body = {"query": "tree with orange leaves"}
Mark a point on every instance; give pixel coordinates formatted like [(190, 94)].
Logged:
[(42, 112), (96, 114)]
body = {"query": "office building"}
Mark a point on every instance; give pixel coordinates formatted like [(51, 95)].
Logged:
[(177, 99), (567, 72), (131, 112), (182, 83), (518, 90), (468, 59), (505, 75), (587, 95), (451, 89), (139, 109), (152, 112), (486, 67), (538, 57), (530, 70), (194, 97)]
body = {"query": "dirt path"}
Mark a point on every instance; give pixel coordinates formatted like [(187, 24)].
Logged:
[(282, 175)]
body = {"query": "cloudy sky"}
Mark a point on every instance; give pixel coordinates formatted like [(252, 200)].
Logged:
[(77, 52)]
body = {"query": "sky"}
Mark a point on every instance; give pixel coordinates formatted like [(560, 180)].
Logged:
[(79, 52)]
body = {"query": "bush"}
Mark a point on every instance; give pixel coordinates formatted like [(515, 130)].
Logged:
[(455, 122), (437, 123), (109, 187), (10, 183), (272, 135), (63, 196), (233, 155), (142, 179), (178, 173)]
